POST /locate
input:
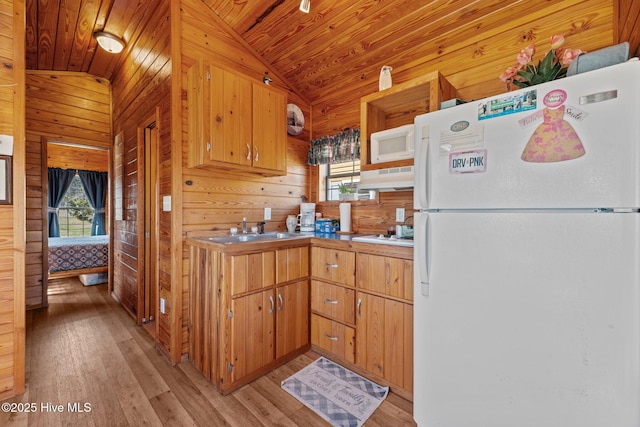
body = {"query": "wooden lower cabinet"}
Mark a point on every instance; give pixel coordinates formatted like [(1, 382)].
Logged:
[(384, 344), (292, 316), (333, 337), (243, 321), (385, 275), (333, 301), (333, 265), (251, 341), (367, 321)]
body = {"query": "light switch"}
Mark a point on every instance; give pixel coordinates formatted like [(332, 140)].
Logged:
[(6, 145), (166, 203), (267, 214), (399, 214)]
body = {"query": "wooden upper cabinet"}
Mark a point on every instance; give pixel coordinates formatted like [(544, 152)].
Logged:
[(269, 128), (235, 122), (398, 106), (229, 117)]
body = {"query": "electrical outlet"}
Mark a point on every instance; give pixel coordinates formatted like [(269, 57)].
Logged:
[(162, 306), (267, 214), (399, 214)]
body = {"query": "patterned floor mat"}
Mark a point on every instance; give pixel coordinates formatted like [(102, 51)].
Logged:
[(341, 397)]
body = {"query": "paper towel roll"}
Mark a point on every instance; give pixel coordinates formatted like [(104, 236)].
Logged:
[(345, 217)]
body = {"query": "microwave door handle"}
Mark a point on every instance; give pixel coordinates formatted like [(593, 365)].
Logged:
[(422, 252)]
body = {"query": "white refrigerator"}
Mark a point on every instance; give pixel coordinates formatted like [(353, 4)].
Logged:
[(527, 257)]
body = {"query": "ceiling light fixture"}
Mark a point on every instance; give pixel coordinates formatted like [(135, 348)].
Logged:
[(109, 42), (305, 5)]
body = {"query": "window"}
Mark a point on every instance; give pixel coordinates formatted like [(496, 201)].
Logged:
[(340, 175), (75, 212)]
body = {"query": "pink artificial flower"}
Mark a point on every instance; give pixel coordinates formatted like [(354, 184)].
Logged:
[(530, 50), (523, 58), (569, 55), (556, 41), (508, 75)]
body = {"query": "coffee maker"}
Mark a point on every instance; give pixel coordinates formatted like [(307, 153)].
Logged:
[(307, 217)]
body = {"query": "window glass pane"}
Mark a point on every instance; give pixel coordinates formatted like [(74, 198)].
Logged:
[(345, 176), (75, 212)]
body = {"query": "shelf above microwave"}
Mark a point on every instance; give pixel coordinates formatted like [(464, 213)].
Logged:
[(398, 106)]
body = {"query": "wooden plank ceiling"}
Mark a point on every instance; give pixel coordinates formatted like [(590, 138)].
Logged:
[(341, 42)]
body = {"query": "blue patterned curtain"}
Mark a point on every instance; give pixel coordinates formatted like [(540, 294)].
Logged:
[(95, 186), (340, 148), (58, 184)]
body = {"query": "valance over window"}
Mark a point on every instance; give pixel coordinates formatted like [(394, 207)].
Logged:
[(340, 148)]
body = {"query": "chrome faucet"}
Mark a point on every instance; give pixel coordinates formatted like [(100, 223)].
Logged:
[(244, 225)]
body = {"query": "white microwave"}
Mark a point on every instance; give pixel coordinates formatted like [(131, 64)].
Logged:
[(392, 144)]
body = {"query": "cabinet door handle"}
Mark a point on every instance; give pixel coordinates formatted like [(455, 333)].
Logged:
[(255, 148), (330, 337), (330, 301), (331, 265), (248, 152), (359, 307), (281, 302), (271, 301)]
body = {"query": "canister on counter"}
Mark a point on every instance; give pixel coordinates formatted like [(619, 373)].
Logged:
[(326, 225)]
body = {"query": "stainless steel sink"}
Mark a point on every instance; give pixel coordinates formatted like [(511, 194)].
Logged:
[(241, 238)]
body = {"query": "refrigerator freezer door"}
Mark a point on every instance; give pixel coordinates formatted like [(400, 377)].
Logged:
[(578, 146), (532, 319)]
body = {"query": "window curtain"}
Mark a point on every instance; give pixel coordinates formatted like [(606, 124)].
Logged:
[(59, 183), (340, 148), (95, 186)]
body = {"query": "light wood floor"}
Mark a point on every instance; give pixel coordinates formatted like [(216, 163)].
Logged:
[(85, 349)]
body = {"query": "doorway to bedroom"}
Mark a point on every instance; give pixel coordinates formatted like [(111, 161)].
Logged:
[(75, 226)]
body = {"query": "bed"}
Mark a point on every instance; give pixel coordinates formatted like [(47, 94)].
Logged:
[(74, 256)]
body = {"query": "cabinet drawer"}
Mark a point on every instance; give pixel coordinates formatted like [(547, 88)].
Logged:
[(385, 275), (333, 265), (333, 301), (333, 337)]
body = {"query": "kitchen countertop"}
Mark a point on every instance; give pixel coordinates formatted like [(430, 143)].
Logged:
[(338, 241)]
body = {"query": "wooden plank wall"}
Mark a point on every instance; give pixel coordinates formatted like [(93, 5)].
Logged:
[(75, 157), (629, 24), (472, 57), (66, 107), (215, 200), (141, 90), (12, 218)]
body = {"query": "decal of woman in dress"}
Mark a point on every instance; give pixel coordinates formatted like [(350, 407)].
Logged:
[(554, 140)]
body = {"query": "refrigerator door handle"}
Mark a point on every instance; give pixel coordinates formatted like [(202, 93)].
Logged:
[(420, 199), (421, 252)]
